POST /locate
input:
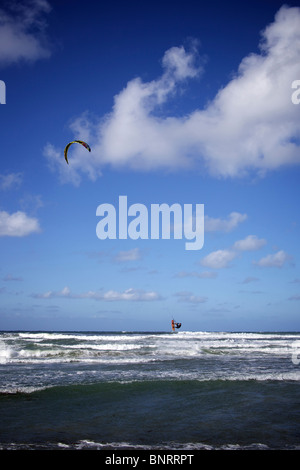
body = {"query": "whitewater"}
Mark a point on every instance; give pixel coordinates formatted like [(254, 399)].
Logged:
[(188, 390)]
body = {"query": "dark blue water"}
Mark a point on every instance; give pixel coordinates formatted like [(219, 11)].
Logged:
[(192, 390)]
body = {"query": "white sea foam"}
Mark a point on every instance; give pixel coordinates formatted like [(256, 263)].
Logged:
[(200, 356), (184, 345), (5, 352)]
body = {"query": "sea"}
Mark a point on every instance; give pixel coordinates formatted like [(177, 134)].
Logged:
[(187, 391)]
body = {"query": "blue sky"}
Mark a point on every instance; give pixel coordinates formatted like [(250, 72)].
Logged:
[(181, 102)]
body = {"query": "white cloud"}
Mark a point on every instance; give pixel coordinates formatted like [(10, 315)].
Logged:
[(218, 259), (221, 258), (131, 294), (109, 296), (22, 32), (179, 64), (202, 275), (191, 298), (224, 225), (17, 224), (250, 243), (250, 125), (54, 158), (275, 260), (131, 135), (11, 180), (129, 255)]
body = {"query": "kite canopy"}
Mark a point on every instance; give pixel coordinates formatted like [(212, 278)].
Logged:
[(75, 142)]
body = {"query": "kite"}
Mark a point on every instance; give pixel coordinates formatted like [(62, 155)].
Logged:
[(73, 142)]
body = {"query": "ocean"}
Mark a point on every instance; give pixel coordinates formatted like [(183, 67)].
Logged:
[(186, 391)]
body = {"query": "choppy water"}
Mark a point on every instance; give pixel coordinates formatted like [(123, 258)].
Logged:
[(190, 390)]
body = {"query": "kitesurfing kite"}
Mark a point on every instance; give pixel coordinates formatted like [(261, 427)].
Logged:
[(175, 325), (73, 142)]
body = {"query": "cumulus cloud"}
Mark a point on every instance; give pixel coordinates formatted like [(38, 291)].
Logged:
[(224, 225), (18, 224), (274, 260), (131, 294), (250, 243), (109, 296), (250, 125), (190, 298), (221, 258), (131, 135), (129, 255), (218, 259), (22, 32)]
